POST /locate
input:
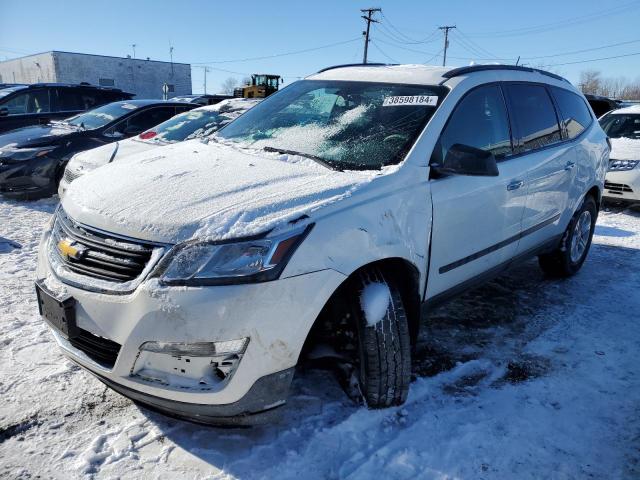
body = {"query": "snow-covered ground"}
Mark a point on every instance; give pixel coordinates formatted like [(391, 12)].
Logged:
[(521, 378)]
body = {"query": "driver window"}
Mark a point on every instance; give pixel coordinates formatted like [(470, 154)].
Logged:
[(480, 121), (36, 101)]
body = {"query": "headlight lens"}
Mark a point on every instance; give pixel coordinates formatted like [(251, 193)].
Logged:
[(22, 154), (622, 165), (206, 263)]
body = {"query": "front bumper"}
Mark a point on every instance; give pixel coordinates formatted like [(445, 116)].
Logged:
[(276, 317), (33, 178), (624, 185)]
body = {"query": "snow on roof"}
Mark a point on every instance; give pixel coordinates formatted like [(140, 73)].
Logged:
[(230, 104), (625, 110), (415, 74)]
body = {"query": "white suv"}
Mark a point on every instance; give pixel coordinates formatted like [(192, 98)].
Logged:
[(342, 208), (623, 179)]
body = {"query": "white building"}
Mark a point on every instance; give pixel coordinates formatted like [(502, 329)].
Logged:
[(145, 78)]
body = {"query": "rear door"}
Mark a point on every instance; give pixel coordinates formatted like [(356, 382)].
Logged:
[(476, 220), (551, 162)]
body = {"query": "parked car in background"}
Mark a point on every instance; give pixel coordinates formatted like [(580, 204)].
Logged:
[(33, 159), (201, 99), (22, 105), (197, 123), (601, 105), (623, 178), (334, 212)]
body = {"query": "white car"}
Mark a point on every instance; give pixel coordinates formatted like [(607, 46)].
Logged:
[(197, 123), (623, 178), (341, 208)]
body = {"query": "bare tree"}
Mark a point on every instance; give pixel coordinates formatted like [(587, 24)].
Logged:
[(228, 85), (590, 82)]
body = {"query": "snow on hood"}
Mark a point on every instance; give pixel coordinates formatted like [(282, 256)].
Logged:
[(35, 136), (625, 149), (215, 192), (96, 157)]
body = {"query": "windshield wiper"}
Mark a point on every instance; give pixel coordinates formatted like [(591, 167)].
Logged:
[(319, 160)]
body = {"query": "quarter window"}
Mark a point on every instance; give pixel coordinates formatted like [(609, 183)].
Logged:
[(576, 116), (534, 116), (479, 120)]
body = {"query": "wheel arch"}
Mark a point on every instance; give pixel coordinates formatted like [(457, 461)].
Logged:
[(404, 274)]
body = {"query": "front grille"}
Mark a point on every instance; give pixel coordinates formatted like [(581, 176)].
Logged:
[(101, 256), (100, 350), (618, 188), (71, 175)]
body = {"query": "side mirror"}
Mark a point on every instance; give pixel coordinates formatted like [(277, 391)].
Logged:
[(4, 112), (466, 160)]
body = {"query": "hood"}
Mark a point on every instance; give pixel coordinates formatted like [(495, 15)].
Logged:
[(36, 136), (96, 157), (194, 190), (625, 149)]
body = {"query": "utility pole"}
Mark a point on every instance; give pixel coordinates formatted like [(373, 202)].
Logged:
[(171, 56), (133, 45), (369, 19), (206, 69), (446, 29)]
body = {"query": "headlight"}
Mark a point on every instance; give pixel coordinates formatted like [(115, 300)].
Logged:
[(22, 154), (206, 263), (622, 165)]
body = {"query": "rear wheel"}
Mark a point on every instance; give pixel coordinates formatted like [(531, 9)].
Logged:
[(567, 259), (384, 345)]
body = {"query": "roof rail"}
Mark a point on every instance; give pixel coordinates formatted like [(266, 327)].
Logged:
[(357, 65), (481, 68)]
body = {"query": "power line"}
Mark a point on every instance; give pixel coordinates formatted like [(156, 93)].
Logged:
[(383, 52), (583, 50), (560, 23), (369, 19), (265, 57), (592, 60), (408, 39), (429, 60)]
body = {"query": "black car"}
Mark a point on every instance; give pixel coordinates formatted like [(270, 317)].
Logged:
[(601, 105), (22, 105), (32, 159)]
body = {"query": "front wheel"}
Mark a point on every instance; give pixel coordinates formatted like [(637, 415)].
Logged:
[(567, 259), (383, 340)]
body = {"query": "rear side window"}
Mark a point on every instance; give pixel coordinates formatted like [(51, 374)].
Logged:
[(576, 116), (69, 100), (479, 120), (533, 115)]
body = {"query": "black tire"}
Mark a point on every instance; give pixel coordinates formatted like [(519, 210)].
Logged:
[(560, 263), (384, 347)]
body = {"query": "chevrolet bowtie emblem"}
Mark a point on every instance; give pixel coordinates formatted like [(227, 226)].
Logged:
[(70, 249)]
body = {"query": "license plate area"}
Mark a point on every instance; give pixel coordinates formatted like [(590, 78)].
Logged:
[(60, 313)]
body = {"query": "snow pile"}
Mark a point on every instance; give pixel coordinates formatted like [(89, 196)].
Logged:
[(374, 301), (523, 378), (625, 149)]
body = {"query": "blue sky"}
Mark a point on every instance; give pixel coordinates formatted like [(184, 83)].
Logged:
[(203, 32)]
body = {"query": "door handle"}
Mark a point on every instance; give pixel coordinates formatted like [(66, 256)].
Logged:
[(516, 184), (569, 165)]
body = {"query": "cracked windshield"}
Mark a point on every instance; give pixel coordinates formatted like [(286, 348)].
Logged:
[(345, 125)]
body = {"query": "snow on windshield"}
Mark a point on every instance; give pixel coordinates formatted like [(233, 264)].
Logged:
[(353, 125)]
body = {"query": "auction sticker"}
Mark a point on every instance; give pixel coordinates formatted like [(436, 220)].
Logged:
[(395, 101)]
